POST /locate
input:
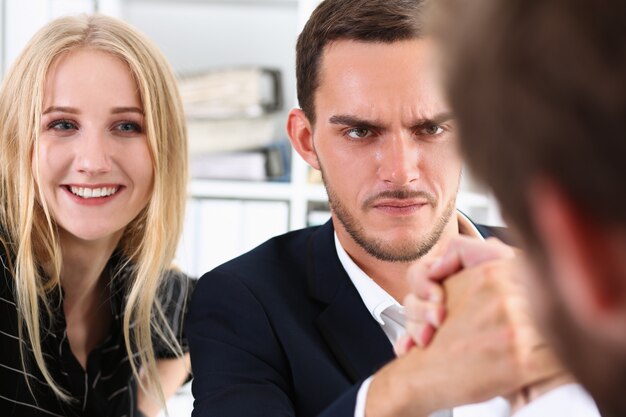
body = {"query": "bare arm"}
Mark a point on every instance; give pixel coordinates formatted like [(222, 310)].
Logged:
[(172, 374)]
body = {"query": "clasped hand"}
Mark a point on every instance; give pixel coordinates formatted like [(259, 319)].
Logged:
[(470, 312)]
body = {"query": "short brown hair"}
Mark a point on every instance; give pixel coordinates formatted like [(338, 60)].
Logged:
[(362, 20), (539, 88)]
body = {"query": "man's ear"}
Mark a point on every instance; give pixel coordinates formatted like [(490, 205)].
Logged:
[(586, 257), (300, 133)]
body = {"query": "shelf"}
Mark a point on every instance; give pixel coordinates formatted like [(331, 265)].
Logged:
[(240, 190), (251, 190), (259, 190)]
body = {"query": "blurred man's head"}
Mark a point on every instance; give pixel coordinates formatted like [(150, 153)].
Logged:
[(374, 121), (539, 90)]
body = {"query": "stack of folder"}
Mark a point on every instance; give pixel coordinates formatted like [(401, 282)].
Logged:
[(231, 121)]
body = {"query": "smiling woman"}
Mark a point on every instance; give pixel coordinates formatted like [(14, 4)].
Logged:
[(93, 177)]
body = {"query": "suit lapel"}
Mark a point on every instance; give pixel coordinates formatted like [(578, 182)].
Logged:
[(355, 338), (351, 333)]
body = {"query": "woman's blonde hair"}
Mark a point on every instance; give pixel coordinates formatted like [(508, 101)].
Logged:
[(148, 242)]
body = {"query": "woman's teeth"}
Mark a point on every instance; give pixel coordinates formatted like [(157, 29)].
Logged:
[(85, 192)]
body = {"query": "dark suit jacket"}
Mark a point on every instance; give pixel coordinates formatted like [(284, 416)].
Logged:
[(282, 331)]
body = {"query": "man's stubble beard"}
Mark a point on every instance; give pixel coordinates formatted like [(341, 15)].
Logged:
[(407, 251)]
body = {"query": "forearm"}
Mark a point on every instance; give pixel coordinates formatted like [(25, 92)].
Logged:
[(401, 389), (567, 400)]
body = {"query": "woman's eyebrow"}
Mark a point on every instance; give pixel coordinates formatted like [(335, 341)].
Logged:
[(131, 109), (61, 109)]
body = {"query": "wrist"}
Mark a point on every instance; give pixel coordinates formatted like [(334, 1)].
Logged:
[(397, 390), (537, 390)]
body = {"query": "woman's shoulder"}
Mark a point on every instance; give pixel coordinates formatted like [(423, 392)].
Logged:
[(176, 288), (177, 278), (174, 298)]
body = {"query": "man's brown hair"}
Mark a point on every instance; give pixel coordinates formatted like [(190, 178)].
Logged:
[(539, 90), (361, 20)]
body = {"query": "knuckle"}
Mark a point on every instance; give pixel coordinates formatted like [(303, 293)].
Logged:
[(496, 276), (518, 350), (491, 273), (502, 309), (415, 309)]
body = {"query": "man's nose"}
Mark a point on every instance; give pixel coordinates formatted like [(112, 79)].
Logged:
[(399, 160)]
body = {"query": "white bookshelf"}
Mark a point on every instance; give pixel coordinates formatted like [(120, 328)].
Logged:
[(290, 192)]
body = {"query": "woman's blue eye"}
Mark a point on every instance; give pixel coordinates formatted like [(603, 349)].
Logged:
[(62, 125), (129, 127)]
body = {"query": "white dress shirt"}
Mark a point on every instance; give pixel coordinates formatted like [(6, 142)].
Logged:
[(570, 400)]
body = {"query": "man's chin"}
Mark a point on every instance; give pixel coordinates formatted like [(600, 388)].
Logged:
[(399, 232), (396, 249)]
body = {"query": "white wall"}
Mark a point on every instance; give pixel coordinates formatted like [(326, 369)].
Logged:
[(22, 18), (2, 37)]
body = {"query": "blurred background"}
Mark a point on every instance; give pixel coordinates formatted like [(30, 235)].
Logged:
[(235, 60)]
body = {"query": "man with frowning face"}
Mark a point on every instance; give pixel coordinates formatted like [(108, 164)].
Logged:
[(298, 326), (540, 90), (389, 161)]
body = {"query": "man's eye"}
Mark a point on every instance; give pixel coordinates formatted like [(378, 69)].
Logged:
[(431, 130), (358, 133), (62, 125)]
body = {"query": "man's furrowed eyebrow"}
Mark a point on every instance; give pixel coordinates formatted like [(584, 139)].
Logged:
[(437, 119), (347, 120)]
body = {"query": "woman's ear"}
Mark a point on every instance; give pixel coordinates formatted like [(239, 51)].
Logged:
[(586, 256), (300, 133)]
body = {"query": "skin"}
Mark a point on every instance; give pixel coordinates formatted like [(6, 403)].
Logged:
[(384, 140), (92, 137)]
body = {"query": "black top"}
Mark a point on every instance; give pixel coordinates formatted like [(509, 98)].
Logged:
[(107, 387)]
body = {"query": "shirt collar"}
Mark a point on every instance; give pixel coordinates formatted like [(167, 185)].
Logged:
[(375, 298), (467, 227)]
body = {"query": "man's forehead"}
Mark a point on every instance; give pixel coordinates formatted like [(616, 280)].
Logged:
[(417, 47), (362, 66), (383, 83)]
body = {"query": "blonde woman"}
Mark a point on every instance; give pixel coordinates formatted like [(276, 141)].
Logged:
[(93, 179)]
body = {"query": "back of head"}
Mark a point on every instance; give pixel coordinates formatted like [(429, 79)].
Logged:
[(359, 20), (539, 88)]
